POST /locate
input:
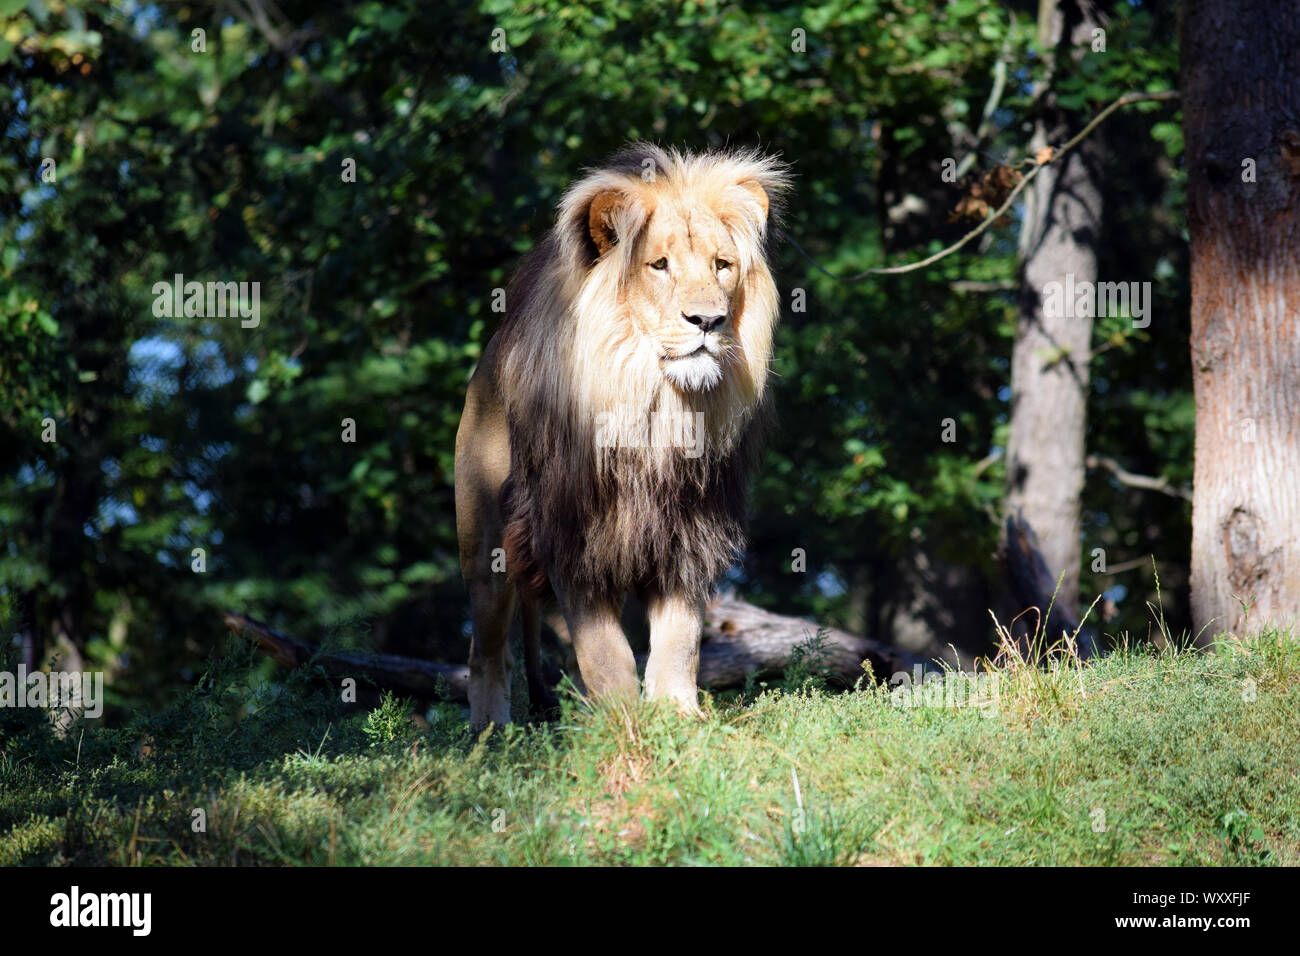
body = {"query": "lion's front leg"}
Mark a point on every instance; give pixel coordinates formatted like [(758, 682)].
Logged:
[(604, 656), (492, 603), (674, 664)]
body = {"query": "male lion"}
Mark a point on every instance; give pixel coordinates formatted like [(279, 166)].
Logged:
[(611, 422)]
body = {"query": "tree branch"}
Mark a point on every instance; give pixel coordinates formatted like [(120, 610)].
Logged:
[(990, 109), (1146, 482), (1039, 162)]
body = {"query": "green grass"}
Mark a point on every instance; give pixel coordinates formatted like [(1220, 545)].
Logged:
[(1143, 757)]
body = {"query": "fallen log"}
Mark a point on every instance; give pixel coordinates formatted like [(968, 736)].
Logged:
[(739, 639)]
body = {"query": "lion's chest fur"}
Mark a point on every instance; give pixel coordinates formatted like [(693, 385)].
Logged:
[(625, 509)]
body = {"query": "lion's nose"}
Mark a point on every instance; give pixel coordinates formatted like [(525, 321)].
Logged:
[(708, 322)]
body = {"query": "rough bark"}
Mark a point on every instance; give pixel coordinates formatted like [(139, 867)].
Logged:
[(1049, 362), (1241, 101)]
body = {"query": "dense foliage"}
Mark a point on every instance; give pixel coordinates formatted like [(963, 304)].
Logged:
[(230, 163)]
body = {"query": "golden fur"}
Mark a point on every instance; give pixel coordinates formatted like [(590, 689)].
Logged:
[(611, 422)]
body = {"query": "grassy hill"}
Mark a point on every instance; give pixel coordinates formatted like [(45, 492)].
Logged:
[(1142, 757)]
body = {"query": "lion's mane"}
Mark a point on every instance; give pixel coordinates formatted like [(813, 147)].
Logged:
[(601, 521)]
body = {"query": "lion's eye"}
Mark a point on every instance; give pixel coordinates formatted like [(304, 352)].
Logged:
[(722, 264), (660, 264)]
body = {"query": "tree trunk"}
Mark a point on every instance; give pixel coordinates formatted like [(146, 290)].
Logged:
[(1049, 361), (1241, 107)]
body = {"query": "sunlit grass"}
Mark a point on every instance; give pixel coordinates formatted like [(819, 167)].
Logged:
[(1145, 756)]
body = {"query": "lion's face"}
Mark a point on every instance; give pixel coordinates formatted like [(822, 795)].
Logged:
[(676, 258), (684, 278)]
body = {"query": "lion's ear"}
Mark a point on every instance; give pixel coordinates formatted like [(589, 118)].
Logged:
[(600, 219), (758, 193)]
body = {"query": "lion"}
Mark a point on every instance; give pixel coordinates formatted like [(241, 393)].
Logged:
[(612, 422)]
